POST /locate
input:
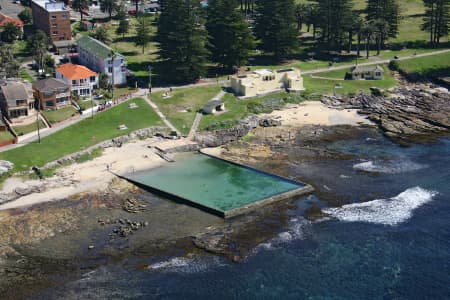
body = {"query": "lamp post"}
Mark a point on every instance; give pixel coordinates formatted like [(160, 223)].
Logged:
[(37, 120), (92, 103), (113, 56)]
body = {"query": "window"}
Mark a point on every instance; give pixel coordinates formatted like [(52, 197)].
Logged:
[(92, 78), (110, 61), (64, 16), (55, 32), (110, 69), (378, 74), (54, 25), (53, 17), (74, 82), (123, 69), (49, 103)]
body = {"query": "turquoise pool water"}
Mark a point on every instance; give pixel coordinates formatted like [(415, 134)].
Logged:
[(213, 183)]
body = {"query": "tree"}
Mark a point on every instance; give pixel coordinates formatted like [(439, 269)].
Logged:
[(381, 31), (103, 81), (123, 28), (386, 11), (26, 16), (136, 3), (10, 32), (335, 19), (108, 6), (436, 19), (81, 5), (9, 67), (121, 11), (276, 26), (312, 17), (142, 32), (367, 32), (230, 38), (49, 63), (183, 39), (102, 35), (38, 44)]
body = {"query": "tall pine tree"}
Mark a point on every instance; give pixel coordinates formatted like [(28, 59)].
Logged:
[(276, 26), (183, 39), (436, 19), (230, 38), (384, 11), (335, 21)]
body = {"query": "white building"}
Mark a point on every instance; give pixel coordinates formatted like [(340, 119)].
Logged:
[(81, 80), (264, 81), (102, 59)]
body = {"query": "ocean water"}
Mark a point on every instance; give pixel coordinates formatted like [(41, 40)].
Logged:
[(389, 240)]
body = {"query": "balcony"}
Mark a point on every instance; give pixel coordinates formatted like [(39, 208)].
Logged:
[(60, 95)]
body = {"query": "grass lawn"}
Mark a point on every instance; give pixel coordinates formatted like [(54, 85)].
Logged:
[(323, 86), (437, 65), (5, 136), (79, 136), (21, 130), (24, 75), (58, 115), (181, 108)]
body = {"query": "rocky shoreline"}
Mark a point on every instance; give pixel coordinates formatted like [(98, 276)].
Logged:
[(407, 113)]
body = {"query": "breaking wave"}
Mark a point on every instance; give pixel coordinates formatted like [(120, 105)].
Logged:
[(389, 167), (298, 229), (390, 211), (186, 265)]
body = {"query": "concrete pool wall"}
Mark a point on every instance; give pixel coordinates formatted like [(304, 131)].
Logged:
[(229, 205)]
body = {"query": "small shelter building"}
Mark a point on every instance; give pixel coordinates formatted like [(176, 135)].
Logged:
[(214, 106), (367, 73)]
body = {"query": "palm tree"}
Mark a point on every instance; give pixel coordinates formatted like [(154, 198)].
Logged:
[(10, 32), (38, 44)]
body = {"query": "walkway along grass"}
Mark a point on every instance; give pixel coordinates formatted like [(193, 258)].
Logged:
[(81, 135)]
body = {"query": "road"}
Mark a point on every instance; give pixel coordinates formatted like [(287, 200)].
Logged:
[(377, 62), (143, 93)]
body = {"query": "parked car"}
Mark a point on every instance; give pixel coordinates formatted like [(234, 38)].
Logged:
[(396, 57), (132, 12)]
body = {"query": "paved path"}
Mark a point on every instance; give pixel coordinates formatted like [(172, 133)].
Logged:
[(161, 115), (33, 136), (376, 62), (142, 93), (199, 116)]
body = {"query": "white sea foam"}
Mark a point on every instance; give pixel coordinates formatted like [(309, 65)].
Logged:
[(186, 265), (389, 167), (390, 211), (297, 230)]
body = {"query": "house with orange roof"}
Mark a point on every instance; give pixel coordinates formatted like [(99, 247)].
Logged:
[(81, 79), (4, 19)]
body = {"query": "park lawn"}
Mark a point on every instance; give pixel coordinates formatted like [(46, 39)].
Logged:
[(324, 86), (5, 136), (24, 129), (24, 75), (84, 134), (429, 65), (59, 115), (181, 108), (236, 109)]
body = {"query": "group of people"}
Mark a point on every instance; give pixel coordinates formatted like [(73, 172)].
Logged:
[(113, 102)]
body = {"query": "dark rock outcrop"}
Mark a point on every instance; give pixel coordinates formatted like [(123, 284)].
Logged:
[(408, 113)]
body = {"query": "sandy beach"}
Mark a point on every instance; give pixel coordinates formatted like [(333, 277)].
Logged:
[(90, 176), (94, 176), (316, 113)]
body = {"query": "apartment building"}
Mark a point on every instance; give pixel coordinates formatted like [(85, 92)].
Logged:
[(53, 18)]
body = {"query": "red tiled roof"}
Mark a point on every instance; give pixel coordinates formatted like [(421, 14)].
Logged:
[(75, 72), (4, 19)]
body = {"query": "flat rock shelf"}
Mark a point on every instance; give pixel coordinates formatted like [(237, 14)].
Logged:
[(217, 186)]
